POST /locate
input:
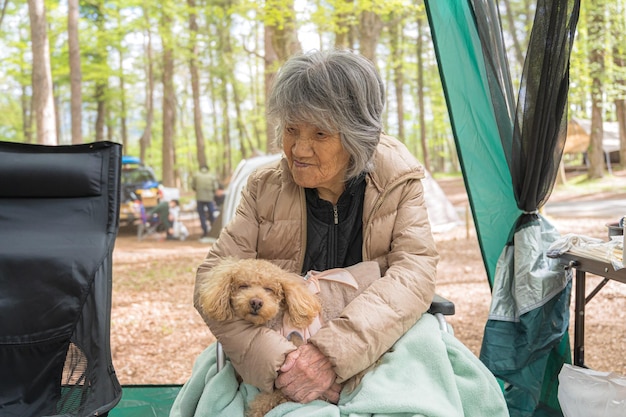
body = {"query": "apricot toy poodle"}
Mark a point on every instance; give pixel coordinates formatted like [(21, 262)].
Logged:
[(262, 293)]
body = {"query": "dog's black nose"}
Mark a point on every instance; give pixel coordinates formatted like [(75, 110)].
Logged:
[(256, 304)]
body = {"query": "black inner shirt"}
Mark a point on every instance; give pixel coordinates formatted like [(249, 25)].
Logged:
[(335, 238)]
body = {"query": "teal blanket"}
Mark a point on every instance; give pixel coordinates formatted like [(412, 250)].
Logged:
[(426, 373)]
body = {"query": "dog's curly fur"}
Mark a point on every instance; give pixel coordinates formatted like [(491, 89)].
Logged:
[(259, 292)]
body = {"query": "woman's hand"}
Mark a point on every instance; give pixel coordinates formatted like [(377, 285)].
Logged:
[(308, 375)]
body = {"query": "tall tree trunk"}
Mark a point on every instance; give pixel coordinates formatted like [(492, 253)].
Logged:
[(271, 63), (619, 60), (620, 110), (226, 167), (195, 84), (420, 91), (27, 120), (146, 136), (344, 34), (57, 113), (257, 94), (43, 102), (101, 110), (25, 97), (110, 125), (122, 86), (512, 18), (123, 102), (169, 103), (75, 72), (395, 42), (102, 82), (596, 64), (244, 137), (3, 10), (222, 87), (370, 27), (285, 33), (281, 41), (245, 143), (225, 67), (214, 98)]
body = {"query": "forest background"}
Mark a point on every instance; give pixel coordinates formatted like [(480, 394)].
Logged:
[(182, 84)]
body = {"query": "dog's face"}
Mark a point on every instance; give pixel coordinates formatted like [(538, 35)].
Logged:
[(256, 290), (256, 299)]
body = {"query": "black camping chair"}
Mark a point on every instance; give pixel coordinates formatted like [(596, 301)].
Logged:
[(59, 208)]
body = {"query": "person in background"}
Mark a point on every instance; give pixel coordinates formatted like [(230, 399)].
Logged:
[(179, 230), (167, 213), (205, 184), (343, 193)]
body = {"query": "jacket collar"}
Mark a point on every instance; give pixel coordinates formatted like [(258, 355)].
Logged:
[(393, 163)]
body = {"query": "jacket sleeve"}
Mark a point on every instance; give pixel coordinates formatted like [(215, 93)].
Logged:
[(256, 352), (378, 317)]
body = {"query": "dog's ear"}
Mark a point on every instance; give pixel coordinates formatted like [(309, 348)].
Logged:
[(302, 304), (215, 294)]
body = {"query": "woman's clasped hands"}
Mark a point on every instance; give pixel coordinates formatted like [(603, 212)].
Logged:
[(308, 375)]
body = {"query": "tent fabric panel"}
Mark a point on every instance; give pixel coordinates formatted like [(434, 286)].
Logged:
[(485, 171)]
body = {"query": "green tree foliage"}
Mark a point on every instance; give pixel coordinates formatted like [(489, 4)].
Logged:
[(237, 46)]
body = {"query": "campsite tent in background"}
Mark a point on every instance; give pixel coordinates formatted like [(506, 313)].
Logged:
[(509, 156), (578, 138)]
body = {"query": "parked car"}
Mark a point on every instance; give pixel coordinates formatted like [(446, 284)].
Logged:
[(139, 187)]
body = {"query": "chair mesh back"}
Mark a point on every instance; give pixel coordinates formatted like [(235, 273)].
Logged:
[(73, 381), (59, 208)]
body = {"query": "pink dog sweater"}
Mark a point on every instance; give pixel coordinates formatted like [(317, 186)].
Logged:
[(339, 275)]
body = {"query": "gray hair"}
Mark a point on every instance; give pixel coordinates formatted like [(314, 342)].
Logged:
[(337, 91)]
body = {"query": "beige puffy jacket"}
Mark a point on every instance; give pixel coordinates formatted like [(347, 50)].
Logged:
[(270, 223)]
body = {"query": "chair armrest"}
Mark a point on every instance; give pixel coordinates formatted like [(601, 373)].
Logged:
[(441, 305)]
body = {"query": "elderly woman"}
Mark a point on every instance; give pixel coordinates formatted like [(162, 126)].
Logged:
[(343, 193)]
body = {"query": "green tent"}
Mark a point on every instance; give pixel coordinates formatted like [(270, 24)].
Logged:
[(509, 153)]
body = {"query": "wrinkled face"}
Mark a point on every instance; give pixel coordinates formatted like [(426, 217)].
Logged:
[(317, 159), (255, 300)]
